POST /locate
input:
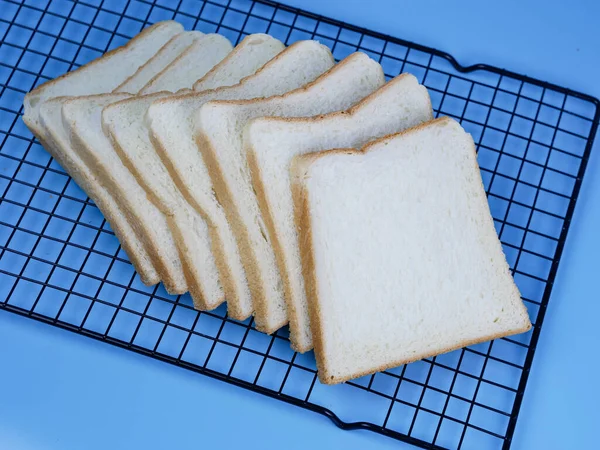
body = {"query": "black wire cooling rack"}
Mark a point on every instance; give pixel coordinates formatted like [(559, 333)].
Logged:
[(61, 264)]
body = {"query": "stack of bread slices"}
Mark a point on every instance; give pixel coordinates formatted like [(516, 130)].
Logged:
[(298, 190)]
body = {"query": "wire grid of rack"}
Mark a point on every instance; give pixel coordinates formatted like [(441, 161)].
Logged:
[(60, 263)]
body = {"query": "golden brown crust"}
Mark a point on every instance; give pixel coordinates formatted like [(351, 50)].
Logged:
[(226, 276), (169, 67), (194, 285), (246, 249)]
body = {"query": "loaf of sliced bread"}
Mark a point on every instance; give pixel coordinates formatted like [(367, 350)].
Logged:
[(271, 144), (124, 123), (165, 56), (171, 125), (191, 65), (82, 116), (400, 253), (107, 72), (219, 130)]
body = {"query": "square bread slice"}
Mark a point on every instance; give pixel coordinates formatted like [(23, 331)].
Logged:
[(107, 72), (219, 131), (210, 49), (124, 123), (171, 130), (401, 257), (165, 56), (271, 144)]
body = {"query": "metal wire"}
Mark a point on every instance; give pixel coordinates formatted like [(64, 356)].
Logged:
[(60, 263)]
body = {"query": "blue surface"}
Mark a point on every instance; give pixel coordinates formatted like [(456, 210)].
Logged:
[(48, 377)]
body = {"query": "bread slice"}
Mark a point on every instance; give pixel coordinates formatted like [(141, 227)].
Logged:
[(123, 122), (271, 144), (251, 54), (82, 116), (171, 125), (195, 62), (57, 142), (401, 257), (108, 72), (219, 132), (165, 56)]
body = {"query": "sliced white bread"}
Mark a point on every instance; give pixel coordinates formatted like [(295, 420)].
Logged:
[(124, 123), (191, 65), (219, 132), (271, 144), (197, 273), (248, 56), (165, 56), (82, 116), (57, 142), (92, 153), (401, 257), (171, 123), (107, 72), (127, 59)]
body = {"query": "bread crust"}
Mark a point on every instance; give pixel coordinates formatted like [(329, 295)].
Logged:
[(265, 207), (299, 168)]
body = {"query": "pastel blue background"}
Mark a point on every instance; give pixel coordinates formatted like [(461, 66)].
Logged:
[(62, 391)]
